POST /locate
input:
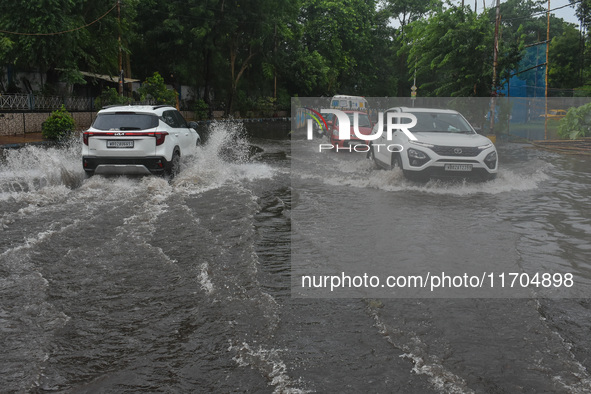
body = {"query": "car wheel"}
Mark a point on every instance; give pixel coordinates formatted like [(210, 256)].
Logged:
[(490, 177), (174, 165), (397, 161), (372, 156), (410, 175), (318, 132), (334, 144)]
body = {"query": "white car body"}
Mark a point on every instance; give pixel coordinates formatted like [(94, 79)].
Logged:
[(446, 145), (137, 140)]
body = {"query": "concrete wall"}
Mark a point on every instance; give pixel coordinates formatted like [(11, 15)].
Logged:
[(19, 123)]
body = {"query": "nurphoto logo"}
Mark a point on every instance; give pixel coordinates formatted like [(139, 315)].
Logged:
[(393, 122)]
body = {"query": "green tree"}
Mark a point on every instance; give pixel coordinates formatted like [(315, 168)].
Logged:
[(452, 51), (527, 21), (407, 11), (399, 70), (338, 42), (249, 29), (52, 37), (212, 45), (564, 53), (583, 12)]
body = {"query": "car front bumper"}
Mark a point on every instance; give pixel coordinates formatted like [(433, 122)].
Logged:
[(435, 165)]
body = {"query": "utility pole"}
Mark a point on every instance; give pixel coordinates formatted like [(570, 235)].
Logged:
[(547, 66), (495, 61), (120, 54), (413, 89), (275, 59)]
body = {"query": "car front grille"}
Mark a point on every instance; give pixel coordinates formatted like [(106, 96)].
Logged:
[(456, 151)]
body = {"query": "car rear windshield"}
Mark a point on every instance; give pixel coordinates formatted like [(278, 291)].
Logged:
[(125, 121)]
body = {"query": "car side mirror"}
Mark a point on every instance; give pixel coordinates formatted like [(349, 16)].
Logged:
[(192, 125)]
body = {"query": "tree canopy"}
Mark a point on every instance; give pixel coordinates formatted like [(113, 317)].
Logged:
[(233, 54)]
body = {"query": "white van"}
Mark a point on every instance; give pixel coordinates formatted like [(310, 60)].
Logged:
[(344, 102)]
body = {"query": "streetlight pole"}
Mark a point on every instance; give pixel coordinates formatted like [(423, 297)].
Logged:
[(547, 66), (495, 61)]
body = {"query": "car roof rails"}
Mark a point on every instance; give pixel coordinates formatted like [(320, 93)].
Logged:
[(113, 106)]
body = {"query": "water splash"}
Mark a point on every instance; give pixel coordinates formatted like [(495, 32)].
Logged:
[(33, 168), (224, 158)]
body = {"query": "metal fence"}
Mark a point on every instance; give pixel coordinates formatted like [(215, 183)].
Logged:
[(32, 102)]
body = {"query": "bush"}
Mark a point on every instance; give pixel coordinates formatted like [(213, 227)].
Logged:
[(576, 124), (201, 109), (266, 105), (110, 96), (59, 125), (154, 88)]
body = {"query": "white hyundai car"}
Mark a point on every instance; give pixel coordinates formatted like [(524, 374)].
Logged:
[(446, 145), (138, 140)]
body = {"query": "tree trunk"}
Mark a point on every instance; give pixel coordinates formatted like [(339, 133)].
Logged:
[(236, 76), (206, 88)]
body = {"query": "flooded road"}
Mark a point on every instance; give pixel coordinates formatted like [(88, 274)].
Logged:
[(122, 284)]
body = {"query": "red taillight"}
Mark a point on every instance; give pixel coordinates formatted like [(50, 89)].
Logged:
[(160, 137), (85, 136)]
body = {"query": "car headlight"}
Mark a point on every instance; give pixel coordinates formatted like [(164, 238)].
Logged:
[(416, 158), (492, 156), (416, 154), (483, 147)]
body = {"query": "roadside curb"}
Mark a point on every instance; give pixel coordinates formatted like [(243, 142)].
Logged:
[(23, 144)]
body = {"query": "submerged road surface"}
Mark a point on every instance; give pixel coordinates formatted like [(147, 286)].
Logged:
[(123, 284)]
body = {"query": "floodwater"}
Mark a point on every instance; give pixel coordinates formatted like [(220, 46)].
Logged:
[(124, 284)]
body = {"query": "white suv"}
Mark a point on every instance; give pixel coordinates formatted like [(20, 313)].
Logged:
[(446, 145), (137, 140)]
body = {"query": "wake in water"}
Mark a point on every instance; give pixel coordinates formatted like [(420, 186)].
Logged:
[(226, 157), (507, 180), (355, 170)]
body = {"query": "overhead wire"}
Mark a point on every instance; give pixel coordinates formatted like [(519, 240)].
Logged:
[(64, 31), (541, 13)]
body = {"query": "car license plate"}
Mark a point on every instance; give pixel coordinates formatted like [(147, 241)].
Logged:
[(120, 144), (458, 167)]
